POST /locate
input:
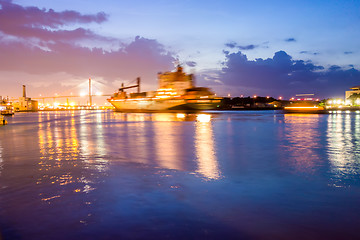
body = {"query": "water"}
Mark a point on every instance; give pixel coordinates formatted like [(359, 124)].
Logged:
[(229, 175)]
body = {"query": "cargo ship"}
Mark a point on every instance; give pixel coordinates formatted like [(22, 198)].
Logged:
[(176, 92)]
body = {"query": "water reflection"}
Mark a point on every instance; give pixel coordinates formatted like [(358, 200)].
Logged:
[(1, 159), (69, 143), (167, 145), (302, 141), (154, 117), (92, 145), (205, 150), (343, 139), (162, 135)]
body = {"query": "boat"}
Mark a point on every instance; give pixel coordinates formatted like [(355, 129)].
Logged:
[(176, 92), (305, 107), (2, 120), (6, 107)]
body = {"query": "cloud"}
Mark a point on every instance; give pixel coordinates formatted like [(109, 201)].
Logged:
[(247, 47), (290, 40), (142, 57), (45, 42), (45, 25), (241, 47), (308, 52), (348, 52), (231, 44), (282, 75), (191, 64)]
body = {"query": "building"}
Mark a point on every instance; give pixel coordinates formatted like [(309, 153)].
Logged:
[(354, 90), (25, 104)]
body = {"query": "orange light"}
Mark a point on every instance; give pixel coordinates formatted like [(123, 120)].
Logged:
[(310, 108)]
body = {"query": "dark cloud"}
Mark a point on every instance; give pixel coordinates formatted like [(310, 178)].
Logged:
[(247, 47), (142, 57), (231, 44), (58, 51), (308, 52), (44, 25), (243, 47), (284, 75), (191, 64), (290, 40), (348, 52)]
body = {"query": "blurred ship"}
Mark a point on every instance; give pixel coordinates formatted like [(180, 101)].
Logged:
[(176, 92)]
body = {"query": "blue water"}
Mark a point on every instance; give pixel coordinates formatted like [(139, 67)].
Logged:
[(219, 175)]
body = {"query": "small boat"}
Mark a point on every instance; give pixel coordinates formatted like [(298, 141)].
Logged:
[(6, 107), (305, 107), (2, 120)]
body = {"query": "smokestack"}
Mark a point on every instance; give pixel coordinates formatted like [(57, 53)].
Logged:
[(24, 91)]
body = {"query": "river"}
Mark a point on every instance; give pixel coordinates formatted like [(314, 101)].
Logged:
[(214, 175)]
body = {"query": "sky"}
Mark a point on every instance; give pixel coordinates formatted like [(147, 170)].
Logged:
[(263, 48)]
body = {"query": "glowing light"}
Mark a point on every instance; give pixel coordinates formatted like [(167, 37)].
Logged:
[(56, 104), (98, 93), (255, 96), (180, 115), (280, 98), (203, 118), (82, 94), (330, 102), (307, 108)]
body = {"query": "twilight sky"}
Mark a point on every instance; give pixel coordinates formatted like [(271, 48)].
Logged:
[(276, 48)]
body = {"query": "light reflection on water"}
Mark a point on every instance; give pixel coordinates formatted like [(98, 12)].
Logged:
[(205, 149), (302, 140), (1, 159), (343, 139), (187, 175), (167, 145)]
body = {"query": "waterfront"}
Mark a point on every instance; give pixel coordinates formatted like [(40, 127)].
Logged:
[(219, 175)]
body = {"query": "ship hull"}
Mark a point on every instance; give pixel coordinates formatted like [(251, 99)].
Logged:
[(168, 105)]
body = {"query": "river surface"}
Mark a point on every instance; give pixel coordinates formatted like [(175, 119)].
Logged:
[(219, 175)]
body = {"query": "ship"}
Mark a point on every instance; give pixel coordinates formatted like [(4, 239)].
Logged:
[(176, 92)]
